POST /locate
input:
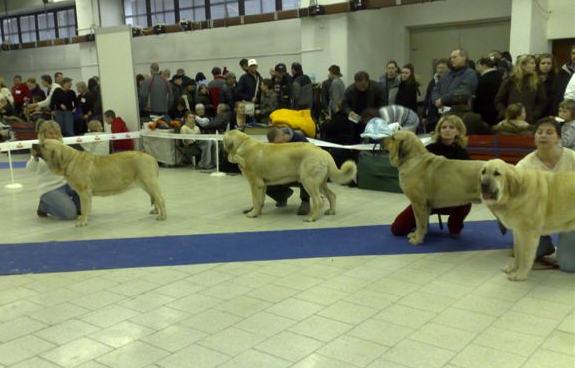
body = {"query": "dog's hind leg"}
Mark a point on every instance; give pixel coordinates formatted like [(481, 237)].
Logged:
[(330, 197), (258, 189), (312, 187), (85, 207), (153, 189)]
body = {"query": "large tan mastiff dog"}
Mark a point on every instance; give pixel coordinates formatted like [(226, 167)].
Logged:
[(92, 175), (431, 181), (266, 164), (531, 203)]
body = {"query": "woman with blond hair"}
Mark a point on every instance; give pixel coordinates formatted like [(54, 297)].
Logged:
[(523, 86), (57, 199), (449, 140), (5, 92)]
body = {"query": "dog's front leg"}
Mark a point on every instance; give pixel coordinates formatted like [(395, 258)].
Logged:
[(525, 246), (85, 207), (258, 190), (513, 263), (421, 212)]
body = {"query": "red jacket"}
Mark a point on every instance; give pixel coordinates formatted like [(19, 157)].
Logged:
[(119, 126), (20, 92)]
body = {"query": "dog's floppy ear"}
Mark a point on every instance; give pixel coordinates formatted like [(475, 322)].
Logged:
[(512, 181), (401, 150)]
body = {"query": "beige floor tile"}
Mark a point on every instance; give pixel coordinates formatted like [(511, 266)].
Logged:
[(109, 316), (415, 354), (160, 318), (194, 303), (226, 290), (560, 342), (19, 327), (289, 346), (59, 313), (146, 302), (298, 281), (98, 300), (464, 320), (444, 337), (35, 363), (202, 357), (548, 359), (429, 302), (255, 359), (394, 287), (243, 306), (475, 356), (231, 341), (209, 278), (381, 332), (66, 331), (91, 364), (525, 323), (295, 309), (382, 363), (353, 350), (320, 361), (180, 289), (16, 309), (405, 316), (211, 321), (121, 334), (348, 312), (76, 352), (265, 324), (10, 295), (345, 284), (320, 328), (273, 293), (542, 308), (489, 306), (321, 295), (372, 299), (23, 348), (174, 338), (509, 341), (568, 324), (133, 355)]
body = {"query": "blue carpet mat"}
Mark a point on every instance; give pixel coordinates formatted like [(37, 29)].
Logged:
[(236, 247), (15, 164)]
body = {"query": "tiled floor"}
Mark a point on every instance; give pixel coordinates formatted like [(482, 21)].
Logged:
[(452, 310)]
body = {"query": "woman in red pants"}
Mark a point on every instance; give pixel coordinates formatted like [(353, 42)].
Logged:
[(449, 140)]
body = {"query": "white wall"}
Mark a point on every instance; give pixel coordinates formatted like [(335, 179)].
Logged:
[(561, 22)]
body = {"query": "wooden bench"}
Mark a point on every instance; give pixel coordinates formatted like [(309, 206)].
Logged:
[(509, 148)]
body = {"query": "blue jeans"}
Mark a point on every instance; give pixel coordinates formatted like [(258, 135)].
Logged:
[(66, 121), (62, 203)]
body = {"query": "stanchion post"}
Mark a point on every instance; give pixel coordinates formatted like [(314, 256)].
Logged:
[(12, 184), (217, 173)]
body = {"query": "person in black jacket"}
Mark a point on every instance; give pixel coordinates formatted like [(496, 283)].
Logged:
[(408, 88), (487, 86), (301, 88), (431, 112), (63, 103), (449, 140), (547, 74), (282, 85), (562, 80), (249, 83)]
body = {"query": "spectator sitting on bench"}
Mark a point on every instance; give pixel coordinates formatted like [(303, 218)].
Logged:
[(461, 106), (567, 113), (268, 102), (201, 119), (281, 193), (514, 122), (101, 148), (206, 147), (449, 140)]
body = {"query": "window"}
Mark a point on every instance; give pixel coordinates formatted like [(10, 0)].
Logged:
[(290, 4), (28, 28), (66, 23), (163, 12), (46, 28), (194, 10), (10, 27), (259, 6), (224, 9), (135, 12)]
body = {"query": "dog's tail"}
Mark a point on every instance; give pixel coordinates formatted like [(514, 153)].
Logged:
[(344, 175)]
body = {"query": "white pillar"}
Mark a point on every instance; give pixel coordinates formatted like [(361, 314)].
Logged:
[(529, 27), (98, 13), (117, 77)]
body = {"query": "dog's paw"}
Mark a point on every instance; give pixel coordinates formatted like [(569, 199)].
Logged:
[(154, 211), (511, 267), (310, 219), (517, 276), (162, 218), (252, 214), (414, 238), (81, 223), (330, 212)]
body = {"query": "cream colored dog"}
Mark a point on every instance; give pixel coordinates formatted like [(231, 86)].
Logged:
[(266, 164), (431, 181), (531, 203), (92, 175)]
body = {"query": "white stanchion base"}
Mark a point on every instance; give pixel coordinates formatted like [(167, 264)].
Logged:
[(217, 173), (13, 186)]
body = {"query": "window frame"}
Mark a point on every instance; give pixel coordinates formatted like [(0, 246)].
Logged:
[(52, 13)]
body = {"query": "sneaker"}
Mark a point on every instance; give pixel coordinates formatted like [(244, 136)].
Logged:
[(303, 209), (282, 202)]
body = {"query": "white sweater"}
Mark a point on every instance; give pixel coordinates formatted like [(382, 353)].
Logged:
[(570, 90), (565, 163), (5, 92), (47, 180), (46, 101)]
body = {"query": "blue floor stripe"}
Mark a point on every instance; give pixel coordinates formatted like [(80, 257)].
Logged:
[(236, 247), (16, 165)]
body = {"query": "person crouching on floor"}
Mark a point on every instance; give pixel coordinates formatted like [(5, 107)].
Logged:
[(449, 140), (207, 161)]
